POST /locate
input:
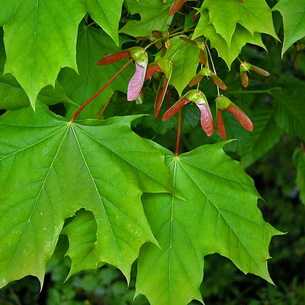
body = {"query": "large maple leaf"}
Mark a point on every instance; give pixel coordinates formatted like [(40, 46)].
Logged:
[(51, 168), (213, 210), (40, 36)]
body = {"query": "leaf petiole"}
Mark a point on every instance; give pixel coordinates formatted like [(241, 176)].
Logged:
[(78, 111)]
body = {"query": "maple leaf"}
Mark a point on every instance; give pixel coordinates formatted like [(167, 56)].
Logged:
[(254, 15), (184, 56), (52, 168), (293, 12), (213, 209), (46, 32), (107, 14), (239, 39), (35, 50)]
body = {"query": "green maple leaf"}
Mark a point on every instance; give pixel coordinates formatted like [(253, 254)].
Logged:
[(239, 39), (40, 37), (81, 233), (92, 45), (52, 168), (107, 14), (213, 210), (184, 56), (299, 158), (293, 12), (154, 17), (254, 15)]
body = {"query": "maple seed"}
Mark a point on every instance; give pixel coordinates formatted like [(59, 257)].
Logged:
[(136, 83), (225, 104), (176, 7), (140, 58), (219, 82), (244, 79), (113, 58), (203, 57), (241, 117), (206, 118), (260, 71), (196, 80), (221, 129), (175, 108)]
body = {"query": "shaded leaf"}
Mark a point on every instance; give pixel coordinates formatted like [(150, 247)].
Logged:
[(289, 101), (299, 158), (81, 233)]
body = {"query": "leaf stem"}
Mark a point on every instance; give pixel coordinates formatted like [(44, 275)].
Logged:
[(179, 132), (213, 65), (264, 91), (99, 92)]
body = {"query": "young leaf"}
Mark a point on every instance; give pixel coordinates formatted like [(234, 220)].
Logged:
[(52, 168), (254, 15), (184, 55), (293, 12), (213, 209)]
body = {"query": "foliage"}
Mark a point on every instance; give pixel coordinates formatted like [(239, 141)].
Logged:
[(98, 180)]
